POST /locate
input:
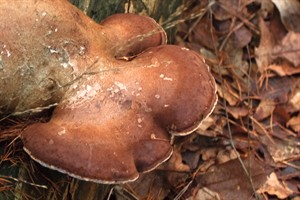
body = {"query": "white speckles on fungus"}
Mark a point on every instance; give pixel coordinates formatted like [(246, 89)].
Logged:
[(120, 120)]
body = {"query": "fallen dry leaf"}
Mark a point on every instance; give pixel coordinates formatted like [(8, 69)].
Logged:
[(267, 7), (282, 149), (237, 112), (237, 67), (203, 33), (289, 12), (191, 158), (175, 163), (274, 187), (241, 37), (148, 186), (294, 123), (271, 32), (267, 42), (230, 181), (264, 109), (177, 170), (206, 123), (209, 153), (205, 194), (228, 93), (296, 198), (278, 88), (226, 155), (289, 48), (295, 98), (226, 9), (284, 69)]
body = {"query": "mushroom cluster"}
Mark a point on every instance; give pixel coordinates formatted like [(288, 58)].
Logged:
[(121, 91)]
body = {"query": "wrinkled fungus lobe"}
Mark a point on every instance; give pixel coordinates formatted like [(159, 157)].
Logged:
[(121, 91)]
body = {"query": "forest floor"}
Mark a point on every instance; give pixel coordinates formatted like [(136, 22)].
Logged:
[(250, 144), (249, 148)]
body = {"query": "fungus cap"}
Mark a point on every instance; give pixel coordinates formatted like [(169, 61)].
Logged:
[(130, 34), (124, 129), (116, 116)]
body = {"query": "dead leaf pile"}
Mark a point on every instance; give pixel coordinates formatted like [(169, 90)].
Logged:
[(253, 48)]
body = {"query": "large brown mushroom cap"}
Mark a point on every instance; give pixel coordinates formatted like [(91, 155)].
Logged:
[(130, 34), (45, 45), (116, 125), (115, 116)]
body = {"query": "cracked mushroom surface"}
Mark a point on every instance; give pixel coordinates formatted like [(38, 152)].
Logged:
[(119, 102)]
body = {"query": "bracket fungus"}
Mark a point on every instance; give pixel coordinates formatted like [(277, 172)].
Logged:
[(121, 91)]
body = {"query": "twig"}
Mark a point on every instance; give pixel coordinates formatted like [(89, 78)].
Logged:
[(227, 117)]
